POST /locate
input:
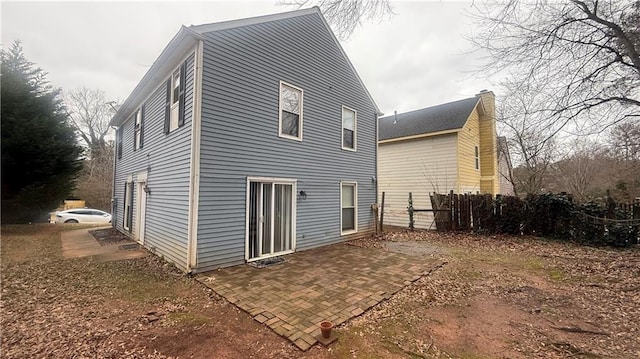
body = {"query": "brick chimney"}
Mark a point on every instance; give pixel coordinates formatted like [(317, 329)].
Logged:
[(488, 144)]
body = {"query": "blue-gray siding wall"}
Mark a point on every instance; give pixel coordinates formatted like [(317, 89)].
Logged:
[(240, 95), (166, 157)]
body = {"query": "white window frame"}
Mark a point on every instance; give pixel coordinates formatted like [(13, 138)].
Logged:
[(175, 100), (294, 214), (355, 207), (300, 118), (128, 204), (355, 129), (477, 157), (137, 128)]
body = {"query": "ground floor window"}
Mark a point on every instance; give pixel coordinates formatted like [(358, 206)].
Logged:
[(128, 204), (349, 207)]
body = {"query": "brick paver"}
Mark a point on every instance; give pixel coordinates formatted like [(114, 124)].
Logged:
[(335, 283)]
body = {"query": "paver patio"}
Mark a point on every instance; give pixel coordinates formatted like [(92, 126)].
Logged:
[(334, 283)]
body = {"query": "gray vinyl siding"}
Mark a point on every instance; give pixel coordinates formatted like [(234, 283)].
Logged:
[(166, 158), (240, 95)]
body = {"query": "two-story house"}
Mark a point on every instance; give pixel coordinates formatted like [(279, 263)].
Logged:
[(448, 147), (245, 140)]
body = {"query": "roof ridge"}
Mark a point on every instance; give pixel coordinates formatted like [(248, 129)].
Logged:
[(229, 24), (430, 107)]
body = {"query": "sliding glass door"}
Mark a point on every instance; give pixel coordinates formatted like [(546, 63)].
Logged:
[(270, 218)]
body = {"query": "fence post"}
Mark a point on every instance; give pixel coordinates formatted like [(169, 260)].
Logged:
[(451, 210), (410, 208), (382, 215)]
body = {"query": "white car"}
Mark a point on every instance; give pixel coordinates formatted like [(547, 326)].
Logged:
[(83, 215)]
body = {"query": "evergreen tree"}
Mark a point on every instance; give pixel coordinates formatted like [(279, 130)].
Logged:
[(40, 153)]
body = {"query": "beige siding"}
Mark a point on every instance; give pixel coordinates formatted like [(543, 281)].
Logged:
[(419, 166), (488, 146), (504, 168), (468, 139)]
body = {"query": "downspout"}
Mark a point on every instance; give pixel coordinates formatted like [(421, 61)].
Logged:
[(114, 206), (375, 222), (376, 156)]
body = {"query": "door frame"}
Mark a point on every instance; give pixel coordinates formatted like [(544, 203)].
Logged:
[(141, 207), (272, 180)]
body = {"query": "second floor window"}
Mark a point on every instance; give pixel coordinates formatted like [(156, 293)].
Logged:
[(119, 142), (348, 128), (175, 100), (477, 158), (290, 111), (138, 128)]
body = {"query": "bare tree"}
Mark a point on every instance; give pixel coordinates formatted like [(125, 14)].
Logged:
[(576, 173), (625, 141), (346, 15), (582, 57), (624, 147), (90, 112), (531, 137), (95, 181)]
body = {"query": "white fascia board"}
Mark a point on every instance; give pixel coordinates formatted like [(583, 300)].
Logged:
[(201, 29), (231, 24), (344, 54), (185, 40)]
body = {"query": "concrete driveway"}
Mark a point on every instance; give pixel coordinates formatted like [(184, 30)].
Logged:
[(80, 243)]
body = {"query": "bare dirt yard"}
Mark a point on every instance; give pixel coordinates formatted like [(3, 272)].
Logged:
[(496, 297)]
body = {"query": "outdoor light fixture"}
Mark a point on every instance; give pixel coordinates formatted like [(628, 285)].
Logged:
[(303, 194), (146, 189)]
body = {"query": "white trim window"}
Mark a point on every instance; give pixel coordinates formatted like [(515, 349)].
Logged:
[(477, 157), (128, 204), (174, 111), (290, 111), (175, 100), (349, 126), (137, 127), (270, 217), (348, 207)]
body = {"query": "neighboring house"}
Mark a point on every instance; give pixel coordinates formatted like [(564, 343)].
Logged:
[(449, 147), (245, 140)]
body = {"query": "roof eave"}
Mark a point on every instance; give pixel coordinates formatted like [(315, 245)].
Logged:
[(344, 54), (422, 135), (182, 42), (266, 18), (230, 24)]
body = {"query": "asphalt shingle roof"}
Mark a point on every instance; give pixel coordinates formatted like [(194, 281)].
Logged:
[(448, 116)]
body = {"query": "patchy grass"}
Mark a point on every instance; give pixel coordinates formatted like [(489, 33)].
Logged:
[(516, 298), (52, 307), (556, 274), (192, 319), (497, 297)]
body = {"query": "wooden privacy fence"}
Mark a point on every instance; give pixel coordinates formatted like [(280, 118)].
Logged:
[(463, 211), (547, 215)]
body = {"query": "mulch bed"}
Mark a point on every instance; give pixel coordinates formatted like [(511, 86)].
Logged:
[(109, 236)]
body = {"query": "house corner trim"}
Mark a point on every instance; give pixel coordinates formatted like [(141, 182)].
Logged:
[(194, 182)]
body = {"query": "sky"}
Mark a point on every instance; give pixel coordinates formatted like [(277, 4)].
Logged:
[(417, 58)]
